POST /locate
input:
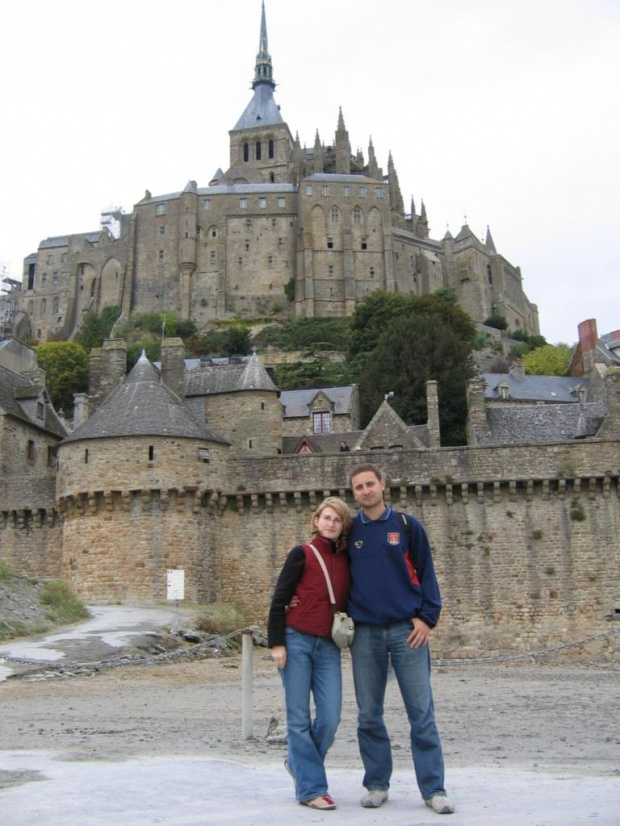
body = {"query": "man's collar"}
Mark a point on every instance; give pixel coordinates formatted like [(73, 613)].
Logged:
[(384, 516)]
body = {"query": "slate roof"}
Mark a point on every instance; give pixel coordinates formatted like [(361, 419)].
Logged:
[(262, 110), (534, 388), (208, 377), (25, 406), (540, 423), (297, 402), (143, 406), (63, 240), (323, 443), (609, 346)]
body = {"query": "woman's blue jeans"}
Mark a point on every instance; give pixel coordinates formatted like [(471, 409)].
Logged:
[(373, 647), (312, 667)]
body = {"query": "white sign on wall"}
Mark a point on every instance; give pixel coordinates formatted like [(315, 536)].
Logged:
[(175, 584)]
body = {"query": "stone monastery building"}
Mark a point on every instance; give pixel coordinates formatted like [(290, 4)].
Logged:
[(287, 230)]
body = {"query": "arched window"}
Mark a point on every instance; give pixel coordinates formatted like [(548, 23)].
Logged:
[(56, 306), (271, 148), (334, 215), (357, 215), (258, 150), (246, 152)]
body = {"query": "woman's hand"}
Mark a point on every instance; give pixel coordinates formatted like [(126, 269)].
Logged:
[(278, 655)]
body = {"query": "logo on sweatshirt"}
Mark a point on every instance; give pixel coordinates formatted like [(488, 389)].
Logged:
[(394, 538), (358, 544)]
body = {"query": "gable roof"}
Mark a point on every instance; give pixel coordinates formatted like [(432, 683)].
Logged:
[(20, 397), (206, 377), (540, 423), (297, 403), (142, 405), (534, 388)]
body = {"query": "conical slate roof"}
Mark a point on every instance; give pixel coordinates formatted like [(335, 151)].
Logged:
[(143, 406)]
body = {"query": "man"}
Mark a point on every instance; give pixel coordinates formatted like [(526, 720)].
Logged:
[(395, 605)]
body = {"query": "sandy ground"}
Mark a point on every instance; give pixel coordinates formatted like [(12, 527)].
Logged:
[(530, 716), (528, 744)]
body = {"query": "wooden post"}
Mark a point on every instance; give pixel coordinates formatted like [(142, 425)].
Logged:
[(246, 685)]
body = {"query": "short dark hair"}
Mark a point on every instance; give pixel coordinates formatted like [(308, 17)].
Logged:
[(366, 468)]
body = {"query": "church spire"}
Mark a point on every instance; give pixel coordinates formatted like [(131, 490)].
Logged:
[(264, 70)]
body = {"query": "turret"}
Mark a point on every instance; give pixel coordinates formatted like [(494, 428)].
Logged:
[(343, 148), (396, 199)]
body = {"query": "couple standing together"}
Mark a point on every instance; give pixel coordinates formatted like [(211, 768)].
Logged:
[(394, 605)]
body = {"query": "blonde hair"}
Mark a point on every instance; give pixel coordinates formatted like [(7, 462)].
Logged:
[(341, 508)]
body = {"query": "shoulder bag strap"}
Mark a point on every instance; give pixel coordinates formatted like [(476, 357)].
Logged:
[(321, 562)]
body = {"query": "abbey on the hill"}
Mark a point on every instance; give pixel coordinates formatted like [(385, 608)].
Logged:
[(285, 230)]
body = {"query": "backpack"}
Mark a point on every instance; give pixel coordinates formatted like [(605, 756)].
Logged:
[(409, 534)]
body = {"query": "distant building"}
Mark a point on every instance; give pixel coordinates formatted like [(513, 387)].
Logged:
[(322, 222)]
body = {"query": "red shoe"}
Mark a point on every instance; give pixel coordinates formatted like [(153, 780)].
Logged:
[(325, 802)]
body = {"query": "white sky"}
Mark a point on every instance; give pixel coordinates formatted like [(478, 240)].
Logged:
[(504, 111)]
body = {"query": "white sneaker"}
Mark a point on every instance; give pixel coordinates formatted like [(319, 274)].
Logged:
[(374, 798), (439, 803)]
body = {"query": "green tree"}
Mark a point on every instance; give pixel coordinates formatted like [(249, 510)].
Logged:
[(497, 321), (96, 328), (550, 360), (66, 367), (411, 351)]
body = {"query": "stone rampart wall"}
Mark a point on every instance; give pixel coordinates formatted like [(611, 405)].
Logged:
[(521, 567), (118, 546)]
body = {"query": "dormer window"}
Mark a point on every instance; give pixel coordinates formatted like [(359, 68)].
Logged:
[(40, 410), (504, 391)]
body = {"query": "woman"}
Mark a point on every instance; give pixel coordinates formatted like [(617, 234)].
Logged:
[(302, 648)]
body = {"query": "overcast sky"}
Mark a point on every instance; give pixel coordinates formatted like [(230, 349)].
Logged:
[(503, 111)]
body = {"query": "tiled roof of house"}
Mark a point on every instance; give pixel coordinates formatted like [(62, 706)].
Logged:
[(20, 397), (534, 388), (540, 423), (297, 402)]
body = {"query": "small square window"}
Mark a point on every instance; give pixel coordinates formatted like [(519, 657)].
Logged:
[(44, 278), (55, 278), (379, 192), (347, 191), (160, 257), (262, 203), (308, 189), (162, 232), (281, 202), (206, 204), (204, 455), (362, 191), (243, 203), (212, 257), (160, 209), (325, 190)]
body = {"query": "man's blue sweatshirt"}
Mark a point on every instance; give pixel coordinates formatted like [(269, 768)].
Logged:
[(385, 587)]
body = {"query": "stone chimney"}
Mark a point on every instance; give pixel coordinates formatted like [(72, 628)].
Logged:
[(588, 340), (517, 370), (610, 429), (81, 409), (476, 409), (432, 407), (108, 366), (173, 365)]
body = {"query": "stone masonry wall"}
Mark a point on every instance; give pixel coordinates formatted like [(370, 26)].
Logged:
[(520, 568), (119, 546), (125, 464)]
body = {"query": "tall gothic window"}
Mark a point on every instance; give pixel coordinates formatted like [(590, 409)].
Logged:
[(357, 215)]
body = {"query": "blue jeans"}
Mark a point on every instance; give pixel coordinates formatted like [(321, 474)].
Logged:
[(312, 666), (373, 647)]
